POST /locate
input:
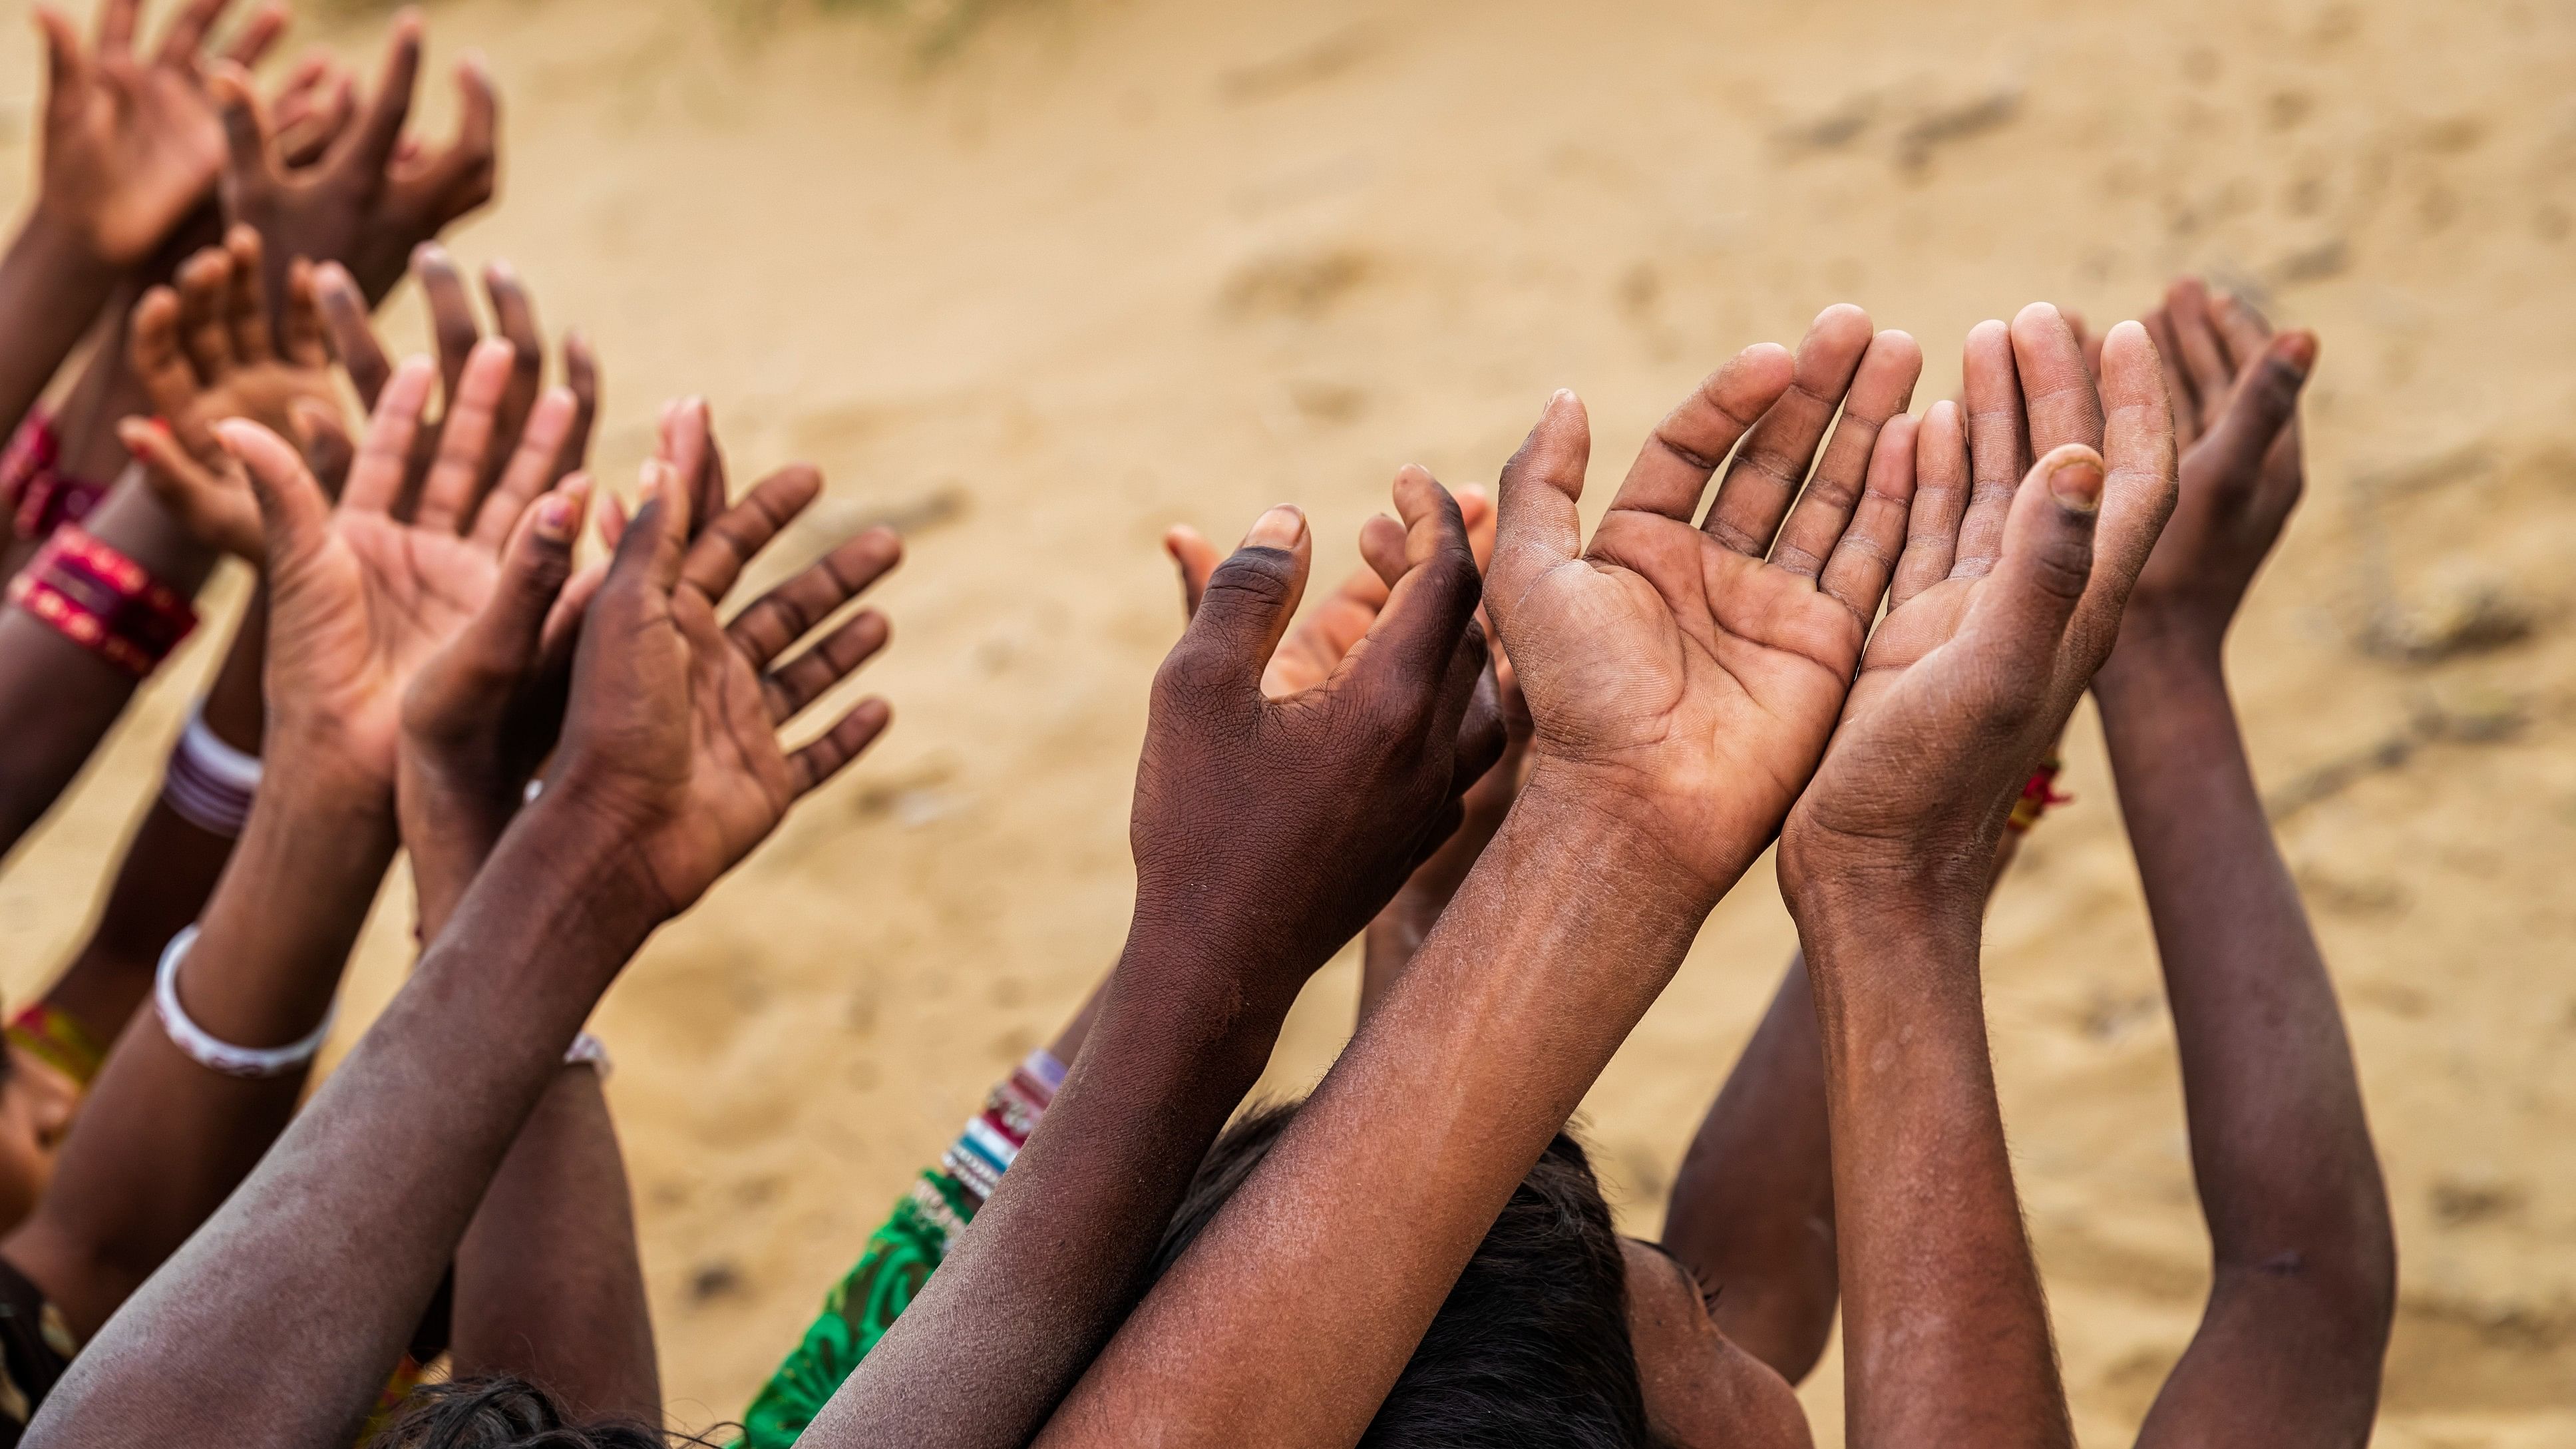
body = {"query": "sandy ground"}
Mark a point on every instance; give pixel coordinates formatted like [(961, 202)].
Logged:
[(1037, 282)]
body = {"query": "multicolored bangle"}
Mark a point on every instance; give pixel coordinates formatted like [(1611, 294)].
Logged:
[(103, 601), (39, 496), (59, 1040), (211, 1052), (994, 1136), (208, 783), (2038, 796)]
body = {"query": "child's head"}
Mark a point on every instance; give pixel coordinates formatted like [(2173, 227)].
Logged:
[(1533, 1343)]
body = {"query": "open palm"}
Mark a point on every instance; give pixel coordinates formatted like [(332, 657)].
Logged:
[(1692, 670)]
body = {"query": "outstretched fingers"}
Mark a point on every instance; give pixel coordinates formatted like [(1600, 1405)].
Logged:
[(384, 455), (733, 537), (1537, 528), (840, 744), (530, 470), (448, 493), (293, 513), (2265, 402), (1942, 484), (1772, 466), (1881, 388), (2141, 485), (246, 309), (1415, 636), (506, 639), (367, 146), (777, 619), (1864, 559), (352, 336), (1673, 468)]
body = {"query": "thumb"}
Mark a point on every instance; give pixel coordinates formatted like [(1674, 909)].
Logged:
[(1536, 527), (508, 635), (1248, 602), (2047, 561), (650, 552), (292, 511), (2264, 401)]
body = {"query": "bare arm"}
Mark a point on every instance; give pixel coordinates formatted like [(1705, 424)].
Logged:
[(2290, 1346)]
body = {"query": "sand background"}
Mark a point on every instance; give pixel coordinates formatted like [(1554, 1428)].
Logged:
[(1036, 280)]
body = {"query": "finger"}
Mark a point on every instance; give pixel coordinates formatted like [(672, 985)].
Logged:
[(2242, 330), (612, 520), (257, 36), (462, 174), (2203, 357), (1382, 548), (384, 456), (514, 316), (247, 149), (1536, 526), (2058, 396), (2266, 398), (2138, 495), (1477, 507), (581, 374), (1941, 490), (465, 433), (1881, 388), (1673, 469), (506, 637), (353, 338), (1864, 559), (187, 33), (688, 444), (152, 349), (247, 301), (530, 471), (1410, 644), (777, 619), (1773, 463), (205, 280), (325, 441), (116, 26), (843, 743), (66, 71), (802, 680), (735, 536), (321, 124), (2023, 610), (658, 537), (1998, 444), (208, 505), (1195, 558), (293, 513), (2186, 407), (451, 312), (300, 327), (1245, 609), (367, 146)]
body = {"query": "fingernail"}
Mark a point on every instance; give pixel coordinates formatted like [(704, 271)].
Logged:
[(2077, 486), (1276, 529), (554, 519)]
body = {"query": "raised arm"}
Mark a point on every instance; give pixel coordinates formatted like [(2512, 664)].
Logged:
[(2304, 1264), (670, 772)]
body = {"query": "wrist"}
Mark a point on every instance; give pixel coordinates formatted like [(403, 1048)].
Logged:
[(2160, 644), (1634, 837), (569, 839), (57, 249)]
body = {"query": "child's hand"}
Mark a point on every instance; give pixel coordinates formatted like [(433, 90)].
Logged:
[(361, 597), (1278, 809), (2003, 605), (2242, 470), (370, 196), (1684, 676), (670, 741), (204, 353), (131, 145)]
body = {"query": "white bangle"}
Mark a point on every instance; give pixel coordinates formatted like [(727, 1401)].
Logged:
[(590, 1051), (222, 1056), (209, 783)]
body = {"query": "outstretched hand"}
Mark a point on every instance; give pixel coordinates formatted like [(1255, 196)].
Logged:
[(670, 741), (361, 597), (1685, 675), (205, 352), (2003, 604), (131, 143), (1313, 774)]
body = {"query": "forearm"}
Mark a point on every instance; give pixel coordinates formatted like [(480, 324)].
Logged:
[(1270, 1328), (1946, 1337), (1055, 1258), (548, 1285), (51, 289), (162, 1139), (57, 698), (328, 1253), (1752, 1208)]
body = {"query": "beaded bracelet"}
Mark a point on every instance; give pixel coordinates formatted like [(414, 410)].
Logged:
[(210, 1052), (38, 495), (993, 1138), (103, 601), (2038, 796), (208, 783)]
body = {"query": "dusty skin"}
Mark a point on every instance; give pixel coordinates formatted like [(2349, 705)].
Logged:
[(1036, 283)]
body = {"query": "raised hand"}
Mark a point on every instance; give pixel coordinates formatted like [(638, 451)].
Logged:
[(1687, 675), (2242, 469), (671, 738), (131, 143), (454, 331), (361, 596), (370, 197), (2004, 603), (204, 352)]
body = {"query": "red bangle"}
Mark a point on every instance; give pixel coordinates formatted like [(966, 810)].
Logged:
[(39, 496), (103, 601), (2037, 796)]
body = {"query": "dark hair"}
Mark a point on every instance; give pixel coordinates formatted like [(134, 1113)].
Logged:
[(502, 1412), (1532, 1345)]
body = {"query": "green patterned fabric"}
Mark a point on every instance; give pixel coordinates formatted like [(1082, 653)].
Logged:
[(899, 1258)]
